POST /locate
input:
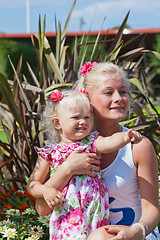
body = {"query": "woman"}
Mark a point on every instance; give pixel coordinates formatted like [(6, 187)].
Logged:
[(130, 174)]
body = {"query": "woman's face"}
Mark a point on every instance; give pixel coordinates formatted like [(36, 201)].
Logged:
[(110, 99)]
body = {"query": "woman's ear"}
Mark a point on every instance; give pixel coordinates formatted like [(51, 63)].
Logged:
[(56, 123)]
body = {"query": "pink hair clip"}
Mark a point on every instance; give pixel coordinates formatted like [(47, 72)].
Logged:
[(55, 96), (87, 67), (82, 90)]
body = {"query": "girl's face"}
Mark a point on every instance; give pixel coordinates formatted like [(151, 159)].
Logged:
[(74, 122), (110, 99)]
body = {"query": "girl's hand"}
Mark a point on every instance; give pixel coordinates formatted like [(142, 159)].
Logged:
[(83, 163), (53, 197), (133, 136)]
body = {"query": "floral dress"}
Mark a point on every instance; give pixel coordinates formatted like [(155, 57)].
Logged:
[(87, 206)]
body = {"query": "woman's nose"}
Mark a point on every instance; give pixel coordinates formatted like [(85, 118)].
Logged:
[(117, 97)]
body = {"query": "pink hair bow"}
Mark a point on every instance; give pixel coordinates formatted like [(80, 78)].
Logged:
[(55, 96), (87, 67), (82, 90)]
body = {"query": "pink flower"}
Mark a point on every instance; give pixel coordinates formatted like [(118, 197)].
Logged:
[(82, 90), (55, 96), (75, 216), (87, 67)]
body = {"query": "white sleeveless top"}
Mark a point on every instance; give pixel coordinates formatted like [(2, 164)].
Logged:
[(121, 181), (120, 178)]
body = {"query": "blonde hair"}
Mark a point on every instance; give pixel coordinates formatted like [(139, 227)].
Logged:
[(70, 97), (91, 80)]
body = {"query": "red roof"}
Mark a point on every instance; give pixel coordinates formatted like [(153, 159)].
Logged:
[(80, 33)]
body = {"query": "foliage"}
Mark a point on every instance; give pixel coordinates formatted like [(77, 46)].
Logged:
[(19, 219), (22, 101), (154, 60), (14, 49)]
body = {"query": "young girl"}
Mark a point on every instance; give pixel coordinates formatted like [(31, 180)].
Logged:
[(86, 198)]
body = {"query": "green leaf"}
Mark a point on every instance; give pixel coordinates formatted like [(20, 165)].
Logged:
[(63, 57), (8, 95), (24, 96), (58, 43), (51, 59), (66, 25), (41, 43), (136, 82)]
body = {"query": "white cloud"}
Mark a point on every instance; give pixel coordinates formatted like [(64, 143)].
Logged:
[(115, 12)]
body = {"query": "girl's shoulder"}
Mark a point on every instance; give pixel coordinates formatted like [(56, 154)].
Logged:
[(91, 137), (46, 150), (51, 153), (93, 134)]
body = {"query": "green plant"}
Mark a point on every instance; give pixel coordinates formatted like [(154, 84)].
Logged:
[(15, 49), (22, 101), (19, 219)]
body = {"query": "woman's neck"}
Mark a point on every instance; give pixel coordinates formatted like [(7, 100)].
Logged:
[(107, 127)]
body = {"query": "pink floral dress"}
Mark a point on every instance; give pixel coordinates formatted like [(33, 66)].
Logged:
[(87, 206)]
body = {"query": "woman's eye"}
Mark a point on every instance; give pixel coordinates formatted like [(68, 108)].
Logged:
[(123, 92), (108, 93)]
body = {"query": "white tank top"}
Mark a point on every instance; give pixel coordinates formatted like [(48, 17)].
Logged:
[(120, 178)]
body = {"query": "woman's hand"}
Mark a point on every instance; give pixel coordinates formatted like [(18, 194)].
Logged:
[(83, 163), (125, 232)]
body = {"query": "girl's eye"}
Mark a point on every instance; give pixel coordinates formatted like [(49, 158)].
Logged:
[(75, 117)]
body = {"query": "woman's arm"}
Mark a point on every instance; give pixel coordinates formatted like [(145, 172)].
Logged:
[(147, 166), (147, 172)]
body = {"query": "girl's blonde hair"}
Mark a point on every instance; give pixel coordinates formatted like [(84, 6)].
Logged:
[(70, 98), (93, 76)]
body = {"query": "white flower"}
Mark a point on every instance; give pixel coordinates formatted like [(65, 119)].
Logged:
[(13, 212), (33, 237), (10, 233), (30, 211), (44, 220), (2, 229), (5, 223), (37, 231)]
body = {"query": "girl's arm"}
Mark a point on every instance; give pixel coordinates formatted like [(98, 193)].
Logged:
[(77, 163), (147, 170), (38, 177), (116, 141), (39, 190)]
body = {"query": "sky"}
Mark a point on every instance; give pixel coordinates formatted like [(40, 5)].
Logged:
[(87, 14)]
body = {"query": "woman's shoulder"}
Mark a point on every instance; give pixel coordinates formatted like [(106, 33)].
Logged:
[(144, 144), (143, 151)]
